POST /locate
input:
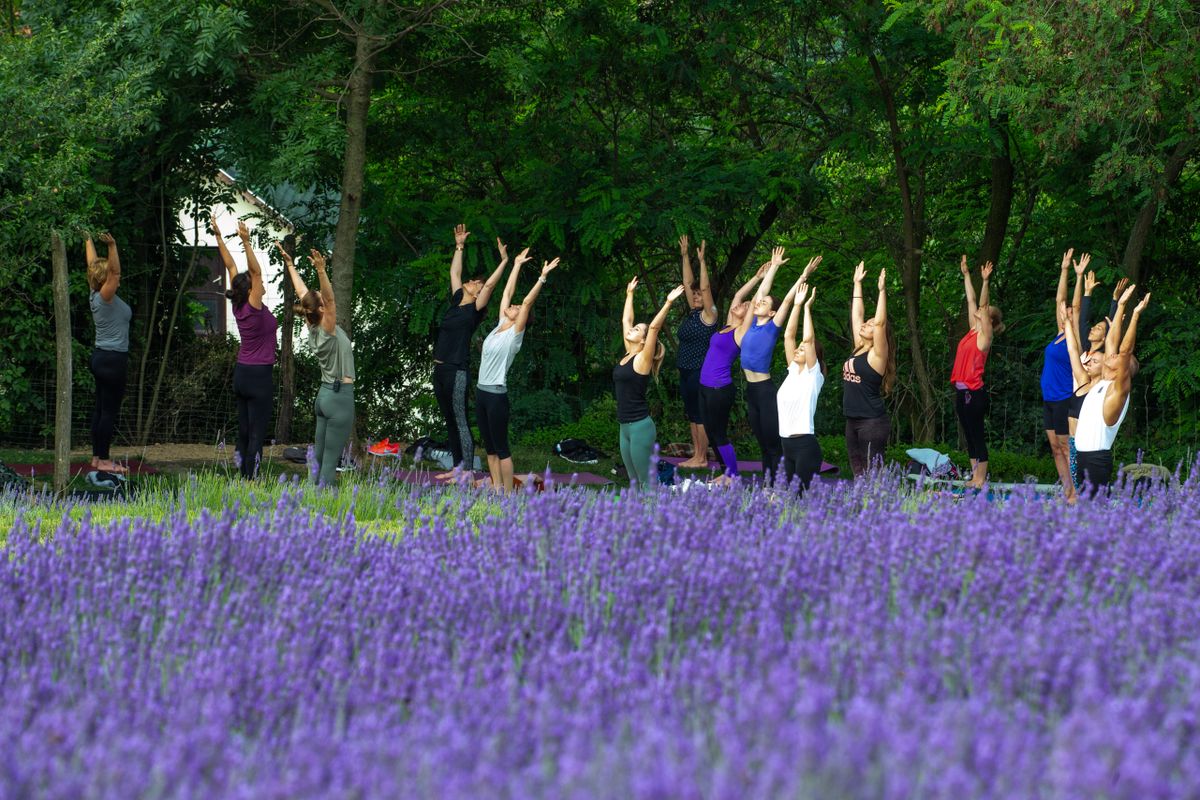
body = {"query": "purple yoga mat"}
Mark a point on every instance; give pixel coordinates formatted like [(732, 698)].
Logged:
[(425, 477), (745, 466)]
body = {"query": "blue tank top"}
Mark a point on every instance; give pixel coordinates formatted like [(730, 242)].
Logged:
[(1056, 372), (758, 345)]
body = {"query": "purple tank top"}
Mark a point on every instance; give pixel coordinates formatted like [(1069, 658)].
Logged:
[(257, 328), (718, 361)]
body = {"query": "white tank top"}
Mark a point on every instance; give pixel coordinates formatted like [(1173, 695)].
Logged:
[(797, 400), (1091, 434)]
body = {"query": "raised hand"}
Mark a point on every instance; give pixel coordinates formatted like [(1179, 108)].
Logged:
[(633, 284), (675, 294), (107, 238), (700, 250), (811, 267), (317, 259), (812, 295), (988, 269), (1121, 284), (962, 266), (801, 290), (212, 226), (283, 253), (243, 231), (882, 273), (1066, 260), (860, 272), (547, 266), (683, 245), (777, 257), (1140, 307), (460, 234), (762, 271), (1082, 264), (1089, 283), (522, 257), (1128, 293), (503, 248)]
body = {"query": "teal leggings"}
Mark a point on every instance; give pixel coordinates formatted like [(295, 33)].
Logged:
[(637, 445), (335, 421)]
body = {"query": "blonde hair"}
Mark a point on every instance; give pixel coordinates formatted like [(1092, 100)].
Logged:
[(997, 320), (660, 354), (310, 307), (97, 273)]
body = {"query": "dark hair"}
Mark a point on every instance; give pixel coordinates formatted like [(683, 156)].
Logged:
[(889, 370), (775, 301), (694, 286), (820, 353), (479, 276), (310, 307), (239, 289)]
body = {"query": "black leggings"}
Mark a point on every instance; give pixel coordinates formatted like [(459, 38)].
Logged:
[(971, 406), (491, 411), (764, 421), (255, 392), (1095, 469), (110, 368), (866, 440), (801, 457), (715, 405), (450, 389)]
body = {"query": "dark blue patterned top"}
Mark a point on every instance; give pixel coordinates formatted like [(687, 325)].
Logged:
[(693, 340)]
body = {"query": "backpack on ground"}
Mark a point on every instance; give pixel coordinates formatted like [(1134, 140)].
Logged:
[(577, 451)]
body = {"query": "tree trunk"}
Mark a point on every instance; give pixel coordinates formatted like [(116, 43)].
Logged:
[(62, 353), (287, 357), (152, 315), (726, 278), (1131, 263), (358, 103), (913, 240), (1000, 208)]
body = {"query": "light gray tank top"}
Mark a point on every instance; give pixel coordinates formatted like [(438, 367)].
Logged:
[(335, 354), (112, 323)]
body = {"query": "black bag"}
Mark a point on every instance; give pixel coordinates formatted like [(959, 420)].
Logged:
[(577, 451), (297, 455)]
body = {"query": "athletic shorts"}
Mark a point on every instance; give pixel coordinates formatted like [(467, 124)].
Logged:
[(1054, 416)]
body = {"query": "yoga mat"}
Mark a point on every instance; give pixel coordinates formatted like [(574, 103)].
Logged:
[(743, 466), (25, 470), (425, 477)]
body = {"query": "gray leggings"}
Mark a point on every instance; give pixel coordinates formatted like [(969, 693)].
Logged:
[(637, 445), (335, 421)]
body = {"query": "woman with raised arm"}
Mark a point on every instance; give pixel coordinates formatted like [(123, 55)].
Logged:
[(1085, 372), (695, 331), (110, 357), (1104, 408), (971, 399), (253, 386), (1057, 386), (798, 395), (499, 349), (335, 356), (452, 352), (758, 348), (716, 375), (867, 376), (644, 355)]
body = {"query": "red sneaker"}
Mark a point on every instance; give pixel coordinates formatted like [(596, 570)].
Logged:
[(385, 448)]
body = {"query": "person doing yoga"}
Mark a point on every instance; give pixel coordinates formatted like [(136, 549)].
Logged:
[(644, 355), (451, 353), (110, 356), (695, 331), (499, 349), (335, 356), (971, 400), (253, 385), (867, 376), (798, 395), (1057, 386), (758, 348), (716, 375)]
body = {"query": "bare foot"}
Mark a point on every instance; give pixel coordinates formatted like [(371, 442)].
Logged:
[(694, 463), (110, 466)]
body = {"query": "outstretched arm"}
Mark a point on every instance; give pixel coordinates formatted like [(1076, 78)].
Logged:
[(783, 314), (527, 305), (968, 287), (510, 285), (986, 272), (109, 289), (257, 289), (1130, 337), (739, 297), (686, 263), (1112, 342), (329, 318), (627, 312), (856, 304), (1060, 296), (222, 250), (485, 294), (645, 359), (777, 261), (89, 248), (709, 315), (1074, 351), (1080, 269), (297, 282), (810, 344), (1085, 308), (879, 345), (460, 241), (793, 323)]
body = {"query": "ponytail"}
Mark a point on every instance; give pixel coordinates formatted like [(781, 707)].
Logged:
[(660, 354), (239, 290), (889, 370)]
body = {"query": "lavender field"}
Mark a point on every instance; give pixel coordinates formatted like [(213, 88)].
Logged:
[(871, 640)]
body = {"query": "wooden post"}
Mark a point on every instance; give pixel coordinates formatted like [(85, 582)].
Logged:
[(62, 350)]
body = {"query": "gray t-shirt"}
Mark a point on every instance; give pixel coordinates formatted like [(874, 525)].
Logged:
[(112, 323), (335, 354), (499, 350)]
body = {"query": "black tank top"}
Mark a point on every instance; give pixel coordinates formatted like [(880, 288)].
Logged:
[(630, 390), (861, 398)]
